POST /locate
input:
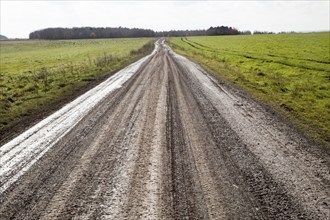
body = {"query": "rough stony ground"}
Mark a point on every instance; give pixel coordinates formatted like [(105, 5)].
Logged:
[(173, 143)]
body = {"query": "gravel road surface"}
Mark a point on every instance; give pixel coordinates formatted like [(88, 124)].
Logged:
[(162, 139)]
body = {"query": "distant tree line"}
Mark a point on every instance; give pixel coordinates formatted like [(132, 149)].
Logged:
[(212, 31), (90, 32), (180, 33), (122, 32), (262, 32), (222, 30)]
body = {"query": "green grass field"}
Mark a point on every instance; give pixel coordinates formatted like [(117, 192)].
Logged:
[(289, 72), (35, 73)]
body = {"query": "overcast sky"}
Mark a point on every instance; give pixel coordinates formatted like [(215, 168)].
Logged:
[(19, 18)]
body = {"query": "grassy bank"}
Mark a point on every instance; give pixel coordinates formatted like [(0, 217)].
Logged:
[(289, 72), (37, 73)]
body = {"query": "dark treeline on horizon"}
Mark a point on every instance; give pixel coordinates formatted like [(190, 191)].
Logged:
[(121, 32), (90, 33)]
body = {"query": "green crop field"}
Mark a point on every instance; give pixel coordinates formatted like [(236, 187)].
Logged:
[(289, 72), (35, 73)]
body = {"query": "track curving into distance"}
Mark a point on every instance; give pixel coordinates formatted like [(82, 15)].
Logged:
[(162, 139)]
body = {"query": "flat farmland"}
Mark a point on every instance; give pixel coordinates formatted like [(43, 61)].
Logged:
[(162, 139), (37, 73), (288, 72)]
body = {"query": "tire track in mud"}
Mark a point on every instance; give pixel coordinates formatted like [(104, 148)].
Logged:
[(168, 145)]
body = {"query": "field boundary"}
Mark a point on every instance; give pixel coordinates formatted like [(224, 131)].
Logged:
[(227, 71), (29, 119)]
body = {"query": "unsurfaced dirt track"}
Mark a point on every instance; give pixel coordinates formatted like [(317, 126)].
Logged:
[(173, 143)]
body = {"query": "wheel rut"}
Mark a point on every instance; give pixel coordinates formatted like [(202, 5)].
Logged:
[(172, 143)]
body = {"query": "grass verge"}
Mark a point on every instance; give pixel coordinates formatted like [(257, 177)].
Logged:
[(290, 73), (37, 77)]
